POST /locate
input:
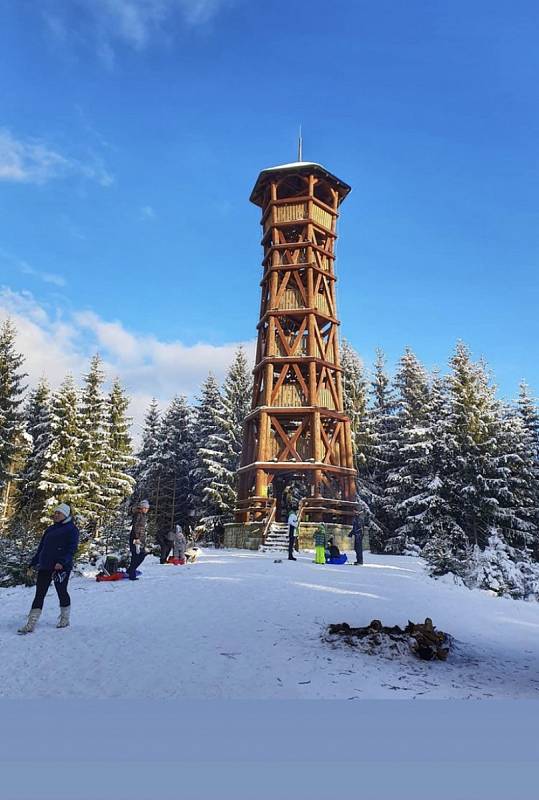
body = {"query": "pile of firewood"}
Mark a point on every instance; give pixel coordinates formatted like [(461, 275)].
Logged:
[(423, 639)]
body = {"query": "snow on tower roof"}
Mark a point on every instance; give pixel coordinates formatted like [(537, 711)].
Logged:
[(296, 166)]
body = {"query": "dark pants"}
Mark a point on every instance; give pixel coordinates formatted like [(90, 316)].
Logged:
[(166, 547), (291, 540), (136, 560), (44, 578), (358, 547)]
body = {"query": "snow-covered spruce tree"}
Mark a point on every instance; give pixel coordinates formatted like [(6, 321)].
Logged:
[(222, 453), (446, 546), (355, 397), (146, 465), (474, 476), (38, 420), (93, 448), (519, 494), (60, 477), (528, 411), (208, 413), (408, 481), (12, 439), (382, 453), (355, 401), (118, 456), (505, 570), (175, 461)]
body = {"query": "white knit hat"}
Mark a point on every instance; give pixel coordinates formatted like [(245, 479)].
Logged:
[(144, 504), (64, 509)]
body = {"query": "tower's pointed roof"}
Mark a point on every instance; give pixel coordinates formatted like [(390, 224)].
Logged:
[(301, 167)]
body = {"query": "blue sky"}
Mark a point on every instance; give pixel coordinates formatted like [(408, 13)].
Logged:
[(132, 131)]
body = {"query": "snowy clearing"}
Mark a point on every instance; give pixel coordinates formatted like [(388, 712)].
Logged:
[(238, 625)]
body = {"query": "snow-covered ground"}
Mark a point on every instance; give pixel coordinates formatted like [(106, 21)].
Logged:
[(238, 625)]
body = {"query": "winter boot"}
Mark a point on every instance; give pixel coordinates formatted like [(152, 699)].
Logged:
[(63, 619), (31, 622)]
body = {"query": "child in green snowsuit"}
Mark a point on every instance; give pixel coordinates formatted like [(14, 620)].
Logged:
[(320, 541)]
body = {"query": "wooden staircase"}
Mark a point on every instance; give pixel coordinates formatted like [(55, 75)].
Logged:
[(276, 538)]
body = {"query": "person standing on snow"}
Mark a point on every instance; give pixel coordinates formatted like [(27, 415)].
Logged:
[(292, 532), (179, 543), (320, 541), (137, 539), (54, 561), (164, 540), (219, 535), (357, 535)]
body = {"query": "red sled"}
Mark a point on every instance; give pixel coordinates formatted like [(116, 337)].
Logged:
[(115, 576), (177, 561)]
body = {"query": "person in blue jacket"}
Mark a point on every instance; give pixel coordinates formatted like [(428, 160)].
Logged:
[(54, 562)]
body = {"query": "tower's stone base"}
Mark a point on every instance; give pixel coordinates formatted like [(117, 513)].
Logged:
[(248, 535), (244, 535), (338, 532)]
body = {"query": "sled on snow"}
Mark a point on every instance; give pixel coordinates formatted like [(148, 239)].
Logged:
[(120, 575)]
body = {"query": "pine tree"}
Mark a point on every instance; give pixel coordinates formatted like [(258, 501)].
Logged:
[(221, 456), (528, 412), (382, 453), (474, 477), (355, 402), (118, 457), (208, 413), (446, 545), (38, 419), (504, 570), (408, 481), (175, 461), (355, 397), (60, 477), (519, 494), (11, 416), (93, 456), (146, 466), (478, 461)]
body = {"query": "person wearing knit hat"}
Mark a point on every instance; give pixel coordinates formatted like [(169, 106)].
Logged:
[(64, 509), (54, 561)]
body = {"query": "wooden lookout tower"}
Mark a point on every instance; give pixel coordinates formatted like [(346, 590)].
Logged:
[(297, 440)]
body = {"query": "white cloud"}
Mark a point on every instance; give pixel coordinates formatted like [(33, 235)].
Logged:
[(27, 269), (147, 213), (54, 344), (135, 23), (47, 277), (33, 161)]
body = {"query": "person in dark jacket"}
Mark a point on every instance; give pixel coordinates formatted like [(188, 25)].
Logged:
[(219, 535), (332, 550), (137, 539), (54, 562), (165, 539), (357, 536), (334, 555)]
